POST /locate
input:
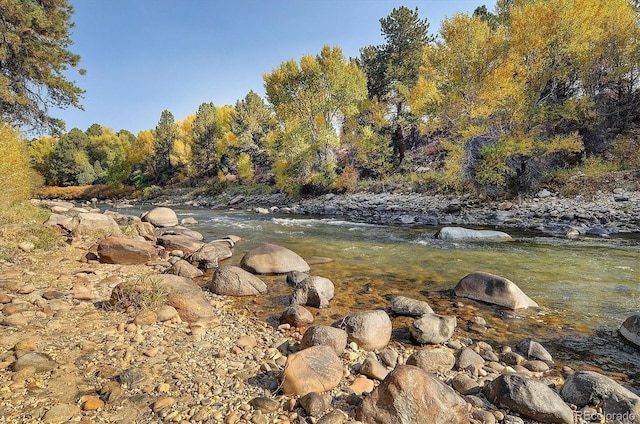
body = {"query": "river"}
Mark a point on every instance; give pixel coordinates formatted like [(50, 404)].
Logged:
[(585, 287)]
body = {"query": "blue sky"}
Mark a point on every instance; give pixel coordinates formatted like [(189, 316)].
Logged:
[(145, 56)]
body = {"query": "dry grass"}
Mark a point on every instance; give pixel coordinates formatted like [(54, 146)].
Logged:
[(101, 191)]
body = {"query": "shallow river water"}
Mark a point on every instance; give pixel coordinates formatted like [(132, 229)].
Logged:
[(585, 287)]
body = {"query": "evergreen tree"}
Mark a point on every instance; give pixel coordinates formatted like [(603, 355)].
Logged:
[(34, 54), (165, 135)]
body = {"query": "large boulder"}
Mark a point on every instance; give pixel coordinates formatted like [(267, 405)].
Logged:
[(120, 250), (402, 305), (459, 233), (95, 223), (161, 217), (493, 289), (184, 269), (178, 242), (210, 254), (59, 220), (630, 330), (316, 369), (313, 291), (370, 330), (273, 259), (588, 388), (529, 397), (334, 337), (234, 281), (182, 293), (410, 395), (433, 328), (142, 229)]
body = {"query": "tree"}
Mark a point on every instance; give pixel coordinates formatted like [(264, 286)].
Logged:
[(165, 135), (34, 54), (311, 100), (206, 133), (253, 124), (392, 69), (69, 158)]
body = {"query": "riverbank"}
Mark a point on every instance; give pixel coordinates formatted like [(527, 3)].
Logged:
[(91, 363)]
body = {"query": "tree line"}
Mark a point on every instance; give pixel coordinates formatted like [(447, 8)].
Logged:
[(500, 98)]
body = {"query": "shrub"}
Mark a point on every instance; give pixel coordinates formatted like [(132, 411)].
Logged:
[(347, 181), (139, 293)]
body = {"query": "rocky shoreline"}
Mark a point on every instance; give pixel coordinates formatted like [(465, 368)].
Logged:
[(73, 350), (603, 214)]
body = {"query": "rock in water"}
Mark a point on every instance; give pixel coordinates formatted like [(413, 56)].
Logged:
[(410, 395), (315, 369), (459, 233), (529, 397), (313, 291), (402, 305), (630, 330), (161, 217), (433, 328), (273, 259), (493, 289)]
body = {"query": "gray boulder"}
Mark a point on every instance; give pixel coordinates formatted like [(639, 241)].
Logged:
[(161, 217), (234, 281), (184, 269), (493, 289), (313, 291), (529, 397), (402, 305), (588, 388), (409, 395), (370, 330), (273, 259), (459, 233), (120, 250), (334, 337), (181, 231), (210, 255), (630, 330), (433, 328)]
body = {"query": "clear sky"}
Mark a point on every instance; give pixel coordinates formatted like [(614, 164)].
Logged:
[(145, 56)]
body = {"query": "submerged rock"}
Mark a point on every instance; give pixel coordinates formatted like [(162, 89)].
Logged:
[(273, 259), (493, 289)]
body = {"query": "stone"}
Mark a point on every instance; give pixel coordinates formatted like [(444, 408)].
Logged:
[(94, 223), (120, 250), (92, 403), (231, 280), (273, 259), (468, 359), (370, 330), (61, 414), (410, 395), (180, 231), (211, 254), (184, 269), (41, 362), (181, 293), (493, 289), (433, 329), (588, 388), (161, 217), (143, 229), (529, 397), (314, 369), (179, 242), (440, 359), (532, 349), (264, 404), (295, 277), (459, 233), (313, 291), (336, 338), (373, 369), (314, 404), (188, 221), (630, 330), (401, 305), (166, 313), (465, 385), (296, 316), (362, 385)]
